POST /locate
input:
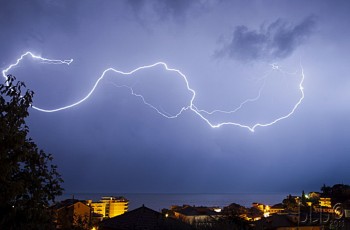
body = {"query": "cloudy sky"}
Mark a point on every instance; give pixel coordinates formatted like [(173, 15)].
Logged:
[(244, 60)]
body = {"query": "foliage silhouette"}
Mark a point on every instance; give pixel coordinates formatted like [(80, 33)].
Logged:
[(29, 181)]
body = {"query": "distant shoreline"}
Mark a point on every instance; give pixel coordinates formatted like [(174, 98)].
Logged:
[(158, 201)]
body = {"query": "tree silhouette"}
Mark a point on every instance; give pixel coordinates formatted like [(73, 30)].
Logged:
[(326, 190), (28, 179)]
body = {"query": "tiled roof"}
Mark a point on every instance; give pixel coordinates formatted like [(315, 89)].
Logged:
[(65, 203), (278, 206), (142, 218), (274, 221), (196, 211)]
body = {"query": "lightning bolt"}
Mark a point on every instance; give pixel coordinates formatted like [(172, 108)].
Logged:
[(163, 113), (236, 109), (190, 106)]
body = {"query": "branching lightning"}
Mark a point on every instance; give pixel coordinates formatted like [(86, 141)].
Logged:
[(236, 109), (189, 106), (163, 113)]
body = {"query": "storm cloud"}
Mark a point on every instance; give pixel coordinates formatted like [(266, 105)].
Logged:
[(159, 10), (277, 40), (114, 143)]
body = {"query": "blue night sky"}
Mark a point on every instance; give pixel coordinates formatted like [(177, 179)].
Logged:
[(230, 52)]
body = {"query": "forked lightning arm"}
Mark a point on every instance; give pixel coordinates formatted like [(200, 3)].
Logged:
[(189, 106)]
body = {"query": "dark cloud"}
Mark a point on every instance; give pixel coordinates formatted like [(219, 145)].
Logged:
[(113, 134), (275, 41), (158, 10)]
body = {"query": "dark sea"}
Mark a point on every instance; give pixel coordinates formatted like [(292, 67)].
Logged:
[(159, 201)]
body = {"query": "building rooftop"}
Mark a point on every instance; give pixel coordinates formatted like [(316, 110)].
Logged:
[(275, 221), (117, 198), (142, 218), (278, 206), (196, 211), (66, 203)]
